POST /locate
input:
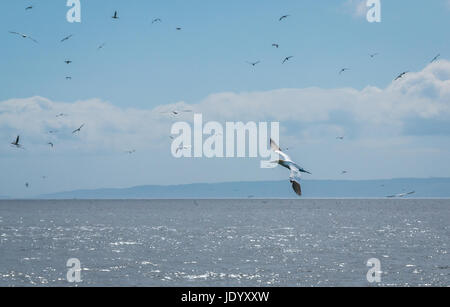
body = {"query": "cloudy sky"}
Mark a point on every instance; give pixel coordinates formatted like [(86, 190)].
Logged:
[(392, 128)]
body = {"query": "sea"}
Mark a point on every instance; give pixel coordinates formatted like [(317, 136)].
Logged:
[(225, 243)]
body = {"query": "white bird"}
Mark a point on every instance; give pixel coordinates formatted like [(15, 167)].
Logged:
[(24, 36), (401, 195), (295, 169)]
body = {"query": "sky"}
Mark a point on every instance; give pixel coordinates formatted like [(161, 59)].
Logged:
[(392, 128)]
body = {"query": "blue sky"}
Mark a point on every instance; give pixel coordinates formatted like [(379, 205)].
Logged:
[(145, 66)]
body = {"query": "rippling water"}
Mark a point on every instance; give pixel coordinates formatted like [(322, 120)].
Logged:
[(225, 242)]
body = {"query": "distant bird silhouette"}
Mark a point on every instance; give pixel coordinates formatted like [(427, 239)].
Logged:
[(27, 185), (287, 59), (51, 144), (283, 17), (68, 62), (435, 58), (254, 63), (339, 138), (156, 20), (181, 147), (24, 36), (275, 45), (78, 130), (131, 151), (343, 70), (287, 162), (101, 46), (344, 172), (29, 8), (16, 142), (401, 195), (61, 115), (401, 75), (68, 78), (66, 38), (373, 55), (115, 16), (179, 29)]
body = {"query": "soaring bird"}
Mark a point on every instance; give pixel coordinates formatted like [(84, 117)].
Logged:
[(16, 142), (287, 162), (101, 46), (401, 75), (344, 172), (373, 55), (401, 195), (68, 62), (68, 78), (61, 115), (343, 70), (181, 147), (283, 17), (156, 20), (287, 59), (254, 63), (24, 36), (29, 8), (435, 58), (78, 130), (66, 38), (115, 16), (275, 45), (179, 29)]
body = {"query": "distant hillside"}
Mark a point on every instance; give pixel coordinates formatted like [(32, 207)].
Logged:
[(425, 188)]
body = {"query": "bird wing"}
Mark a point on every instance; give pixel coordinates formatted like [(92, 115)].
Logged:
[(17, 140), (274, 146), (296, 187)]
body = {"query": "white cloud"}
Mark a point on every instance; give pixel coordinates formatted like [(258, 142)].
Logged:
[(310, 113)]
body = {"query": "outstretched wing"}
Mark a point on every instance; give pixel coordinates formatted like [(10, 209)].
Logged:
[(297, 187), (17, 140), (274, 146)]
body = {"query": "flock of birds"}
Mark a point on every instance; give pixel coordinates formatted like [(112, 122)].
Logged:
[(285, 160)]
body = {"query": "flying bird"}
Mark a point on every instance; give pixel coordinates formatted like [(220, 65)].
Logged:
[(156, 20), (29, 8), (61, 115), (339, 138), (344, 172), (287, 59), (68, 62), (343, 70), (68, 78), (401, 75), (283, 17), (24, 36), (295, 169), (51, 144), (78, 130), (401, 195), (254, 63), (179, 29), (435, 58), (66, 38), (16, 142), (27, 185), (130, 151), (101, 46), (181, 147), (115, 16), (275, 45), (373, 55)]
